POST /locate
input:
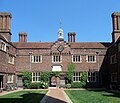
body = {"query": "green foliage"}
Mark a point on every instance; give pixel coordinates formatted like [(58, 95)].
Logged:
[(76, 85), (84, 78), (44, 85), (55, 73), (35, 85), (38, 85), (45, 76), (70, 72), (27, 78), (68, 86)]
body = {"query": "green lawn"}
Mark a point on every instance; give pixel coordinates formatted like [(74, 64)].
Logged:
[(24, 96), (85, 96)]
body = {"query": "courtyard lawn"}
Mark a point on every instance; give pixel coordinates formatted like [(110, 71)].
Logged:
[(24, 96), (85, 96)]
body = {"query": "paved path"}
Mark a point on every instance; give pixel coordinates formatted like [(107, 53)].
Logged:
[(56, 96)]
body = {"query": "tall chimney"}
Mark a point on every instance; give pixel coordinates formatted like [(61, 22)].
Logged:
[(22, 37), (5, 21), (116, 26), (71, 37)]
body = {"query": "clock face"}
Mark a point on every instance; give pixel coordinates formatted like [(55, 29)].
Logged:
[(60, 48)]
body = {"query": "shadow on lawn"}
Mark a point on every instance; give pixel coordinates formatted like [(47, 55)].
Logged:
[(107, 92), (30, 98)]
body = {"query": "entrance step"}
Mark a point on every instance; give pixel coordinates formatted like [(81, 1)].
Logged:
[(52, 87)]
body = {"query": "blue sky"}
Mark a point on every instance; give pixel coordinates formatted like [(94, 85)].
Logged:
[(90, 19)]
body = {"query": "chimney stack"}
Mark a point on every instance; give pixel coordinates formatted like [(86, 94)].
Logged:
[(22, 37), (5, 21), (116, 26), (71, 37)]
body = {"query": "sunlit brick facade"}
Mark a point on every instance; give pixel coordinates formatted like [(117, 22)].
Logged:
[(36, 57)]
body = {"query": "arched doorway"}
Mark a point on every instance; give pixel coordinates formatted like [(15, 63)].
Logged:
[(55, 81)]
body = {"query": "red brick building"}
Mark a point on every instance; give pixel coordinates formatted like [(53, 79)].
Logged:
[(36, 57)]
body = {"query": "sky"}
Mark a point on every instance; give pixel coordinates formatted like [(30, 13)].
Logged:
[(40, 19)]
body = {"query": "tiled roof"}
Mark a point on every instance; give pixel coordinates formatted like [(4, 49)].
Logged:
[(90, 45), (29, 45), (48, 45)]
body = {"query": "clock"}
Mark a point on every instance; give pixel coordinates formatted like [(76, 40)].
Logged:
[(60, 48)]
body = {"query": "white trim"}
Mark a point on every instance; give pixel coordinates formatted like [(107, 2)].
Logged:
[(56, 68), (90, 61), (36, 76), (55, 58), (11, 76), (35, 56), (75, 57)]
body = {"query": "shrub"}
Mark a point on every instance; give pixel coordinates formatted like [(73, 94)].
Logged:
[(27, 78), (68, 86), (45, 76), (35, 85), (44, 85), (76, 85)]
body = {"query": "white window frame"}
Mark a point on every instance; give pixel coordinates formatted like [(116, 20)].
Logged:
[(91, 76), (54, 57), (11, 59), (9, 78), (77, 76), (76, 58), (34, 58), (36, 76), (113, 59), (114, 75), (92, 61), (3, 45)]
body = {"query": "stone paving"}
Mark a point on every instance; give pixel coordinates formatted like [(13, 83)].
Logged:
[(56, 96)]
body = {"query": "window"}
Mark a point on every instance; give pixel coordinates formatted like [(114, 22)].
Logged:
[(76, 58), (113, 59), (77, 77), (91, 58), (114, 77), (36, 77), (36, 59), (10, 78), (11, 59), (91, 76), (56, 58), (3, 46), (118, 47)]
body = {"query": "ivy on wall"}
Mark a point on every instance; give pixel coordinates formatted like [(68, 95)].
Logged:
[(70, 73)]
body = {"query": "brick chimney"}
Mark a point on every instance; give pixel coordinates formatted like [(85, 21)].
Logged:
[(116, 26), (5, 21), (22, 37), (71, 37)]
